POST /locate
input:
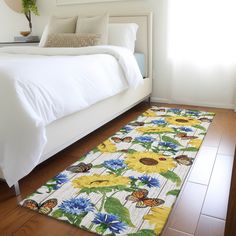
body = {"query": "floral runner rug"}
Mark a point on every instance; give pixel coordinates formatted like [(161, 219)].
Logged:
[(128, 184)]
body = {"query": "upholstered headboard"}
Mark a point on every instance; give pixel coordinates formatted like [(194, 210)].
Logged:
[(144, 35)]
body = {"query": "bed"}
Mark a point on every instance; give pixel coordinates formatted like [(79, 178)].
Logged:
[(68, 129)]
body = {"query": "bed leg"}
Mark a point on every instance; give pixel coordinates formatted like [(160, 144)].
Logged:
[(17, 188), (149, 100)]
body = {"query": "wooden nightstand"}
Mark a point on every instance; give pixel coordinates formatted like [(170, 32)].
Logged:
[(8, 44)]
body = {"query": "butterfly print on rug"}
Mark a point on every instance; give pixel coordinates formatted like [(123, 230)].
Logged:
[(119, 140), (184, 160), (184, 136), (44, 208), (80, 168), (140, 198)]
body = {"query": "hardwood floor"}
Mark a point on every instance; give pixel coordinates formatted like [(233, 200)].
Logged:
[(231, 216), (201, 206)]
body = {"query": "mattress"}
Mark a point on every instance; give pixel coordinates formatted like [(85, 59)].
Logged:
[(140, 58)]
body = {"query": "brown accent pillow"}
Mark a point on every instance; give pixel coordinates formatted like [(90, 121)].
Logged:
[(72, 40)]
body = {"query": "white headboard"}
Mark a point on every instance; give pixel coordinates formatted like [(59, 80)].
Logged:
[(144, 35)]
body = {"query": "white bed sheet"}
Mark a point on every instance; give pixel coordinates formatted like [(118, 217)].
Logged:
[(38, 86)]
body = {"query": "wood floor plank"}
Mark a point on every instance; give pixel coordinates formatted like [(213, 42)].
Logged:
[(7, 206), (14, 220), (215, 131), (204, 161), (216, 201), (227, 143), (209, 226), (230, 229), (49, 227), (172, 232), (189, 204)]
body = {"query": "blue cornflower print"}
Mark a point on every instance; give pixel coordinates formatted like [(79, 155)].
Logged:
[(115, 164), (158, 122), (186, 129), (60, 179), (76, 206), (168, 145), (145, 139), (56, 182), (192, 112), (174, 110), (149, 181), (126, 129), (109, 221), (132, 178)]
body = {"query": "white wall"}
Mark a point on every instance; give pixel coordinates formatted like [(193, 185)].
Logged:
[(12, 23)]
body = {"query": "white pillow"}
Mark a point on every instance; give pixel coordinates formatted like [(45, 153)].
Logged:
[(122, 34), (58, 25), (94, 25)]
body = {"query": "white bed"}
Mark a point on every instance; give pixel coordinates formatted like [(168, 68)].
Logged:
[(65, 131)]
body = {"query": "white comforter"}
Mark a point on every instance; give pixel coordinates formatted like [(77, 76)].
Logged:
[(40, 85)]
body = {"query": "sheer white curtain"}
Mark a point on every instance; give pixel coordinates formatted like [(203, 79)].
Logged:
[(202, 51)]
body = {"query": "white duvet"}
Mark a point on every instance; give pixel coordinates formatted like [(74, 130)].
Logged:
[(40, 85)]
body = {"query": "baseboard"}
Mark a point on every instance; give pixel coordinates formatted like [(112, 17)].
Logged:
[(160, 100), (193, 103)]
